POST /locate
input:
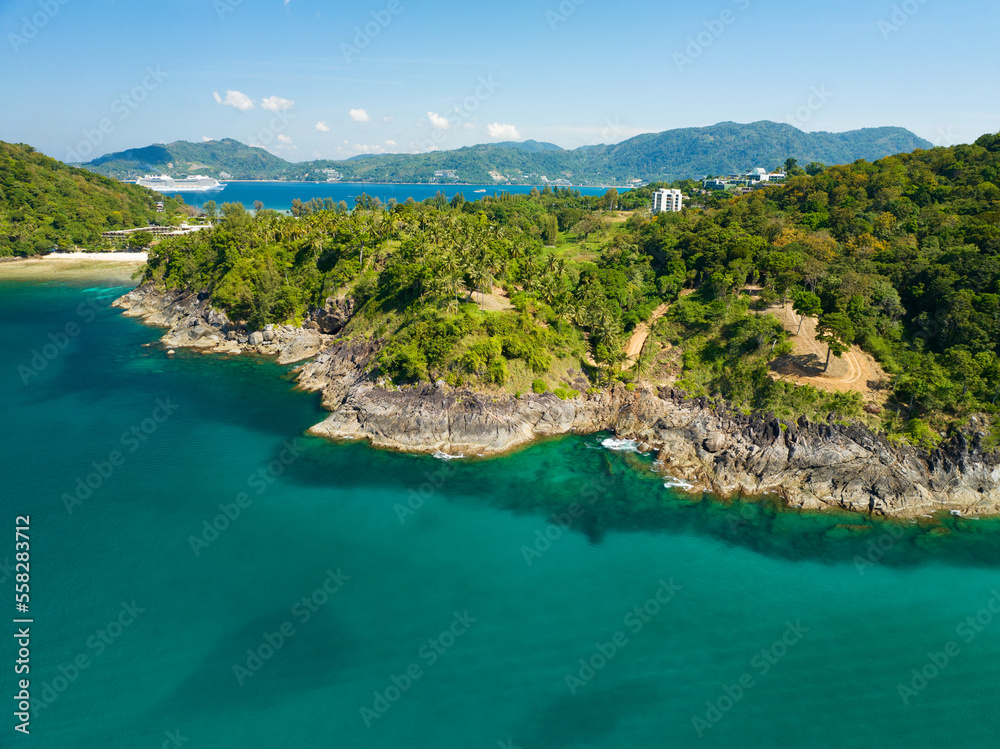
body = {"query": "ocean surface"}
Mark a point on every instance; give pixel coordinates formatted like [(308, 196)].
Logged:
[(203, 575), (278, 196)]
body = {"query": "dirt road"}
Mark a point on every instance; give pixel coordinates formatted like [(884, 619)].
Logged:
[(856, 370)]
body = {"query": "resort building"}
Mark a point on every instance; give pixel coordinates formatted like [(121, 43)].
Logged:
[(743, 183), (667, 201)]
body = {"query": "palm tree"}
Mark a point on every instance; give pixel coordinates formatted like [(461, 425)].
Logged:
[(452, 267), (528, 271), (551, 287), (482, 278)]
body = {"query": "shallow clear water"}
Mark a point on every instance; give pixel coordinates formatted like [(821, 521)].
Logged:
[(798, 632)]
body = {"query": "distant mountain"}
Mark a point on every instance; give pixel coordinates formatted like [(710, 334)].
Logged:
[(730, 148), (181, 159), (531, 146), (687, 153)]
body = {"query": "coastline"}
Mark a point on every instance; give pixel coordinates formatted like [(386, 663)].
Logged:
[(701, 443)]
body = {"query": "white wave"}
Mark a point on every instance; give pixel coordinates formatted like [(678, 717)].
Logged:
[(673, 483), (445, 456), (621, 446)]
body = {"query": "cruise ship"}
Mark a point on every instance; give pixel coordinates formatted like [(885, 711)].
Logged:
[(163, 183)]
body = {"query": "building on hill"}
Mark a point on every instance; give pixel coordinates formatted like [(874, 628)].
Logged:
[(762, 175), (742, 183), (667, 201)]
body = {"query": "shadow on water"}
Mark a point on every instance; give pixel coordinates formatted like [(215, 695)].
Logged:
[(618, 492), (308, 660), (589, 715)]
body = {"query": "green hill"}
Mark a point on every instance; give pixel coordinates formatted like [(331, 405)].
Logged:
[(45, 204), (730, 148), (687, 153), (181, 159)]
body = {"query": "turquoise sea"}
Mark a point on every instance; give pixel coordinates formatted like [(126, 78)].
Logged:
[(278, 196), (347, 597)]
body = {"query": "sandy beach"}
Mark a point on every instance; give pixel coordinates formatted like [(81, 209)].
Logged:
[(104, 266)]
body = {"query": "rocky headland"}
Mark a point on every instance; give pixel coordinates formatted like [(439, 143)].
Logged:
[(698, 441)]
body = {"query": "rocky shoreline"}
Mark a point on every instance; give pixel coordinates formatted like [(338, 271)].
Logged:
[(702, 443)]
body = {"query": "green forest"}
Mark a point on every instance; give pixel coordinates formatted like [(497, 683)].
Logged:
[(900, 256), (46, 205)]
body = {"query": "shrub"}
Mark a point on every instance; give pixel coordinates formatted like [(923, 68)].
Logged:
[(539, 361), (566, 393), (498, 371), (921, 434), (405, 363), (470, 362), (539, 386)]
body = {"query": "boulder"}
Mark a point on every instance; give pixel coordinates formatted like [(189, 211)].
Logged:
[(715, 442), (333, 316), (304, 345)]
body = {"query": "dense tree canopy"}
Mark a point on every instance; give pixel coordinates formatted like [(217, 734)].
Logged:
[(45, 204)]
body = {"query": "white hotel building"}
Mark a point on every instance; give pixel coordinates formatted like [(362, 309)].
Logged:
[(667, 201)]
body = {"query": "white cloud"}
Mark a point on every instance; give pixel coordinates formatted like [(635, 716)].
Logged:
[(206, 139), (356, 149), (235, 99), (391, 143), (360, 115), (276, 104), (388, 120), (284, 144), (502, 132), (322, 127), (438, 122)]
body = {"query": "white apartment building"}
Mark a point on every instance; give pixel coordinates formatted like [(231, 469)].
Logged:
[(667, 201)]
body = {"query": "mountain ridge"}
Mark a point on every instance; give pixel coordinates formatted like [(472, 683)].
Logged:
[(683, 153)]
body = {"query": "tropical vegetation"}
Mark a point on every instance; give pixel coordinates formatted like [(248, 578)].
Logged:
[(46, 205)]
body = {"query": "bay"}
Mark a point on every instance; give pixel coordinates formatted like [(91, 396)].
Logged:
[(278, 196), (460, 597)]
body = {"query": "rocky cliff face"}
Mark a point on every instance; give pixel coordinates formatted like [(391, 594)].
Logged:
[(811, 465), (702, 443), (193, 323)]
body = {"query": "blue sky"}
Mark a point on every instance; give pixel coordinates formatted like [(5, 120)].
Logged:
[(311, 79)]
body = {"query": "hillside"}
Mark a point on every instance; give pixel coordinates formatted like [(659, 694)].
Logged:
[(898, 257), (183, 158), (731, 148), (45, 204), (687, 153)]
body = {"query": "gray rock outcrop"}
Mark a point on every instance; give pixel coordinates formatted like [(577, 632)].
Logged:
[(193, 323)]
